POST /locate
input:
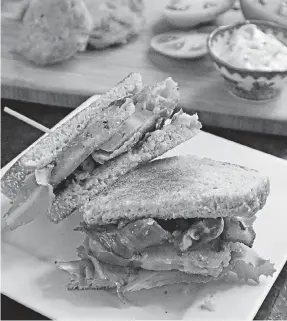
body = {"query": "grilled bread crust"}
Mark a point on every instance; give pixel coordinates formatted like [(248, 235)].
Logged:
[(49, 146), (181, 187), (181, 129)]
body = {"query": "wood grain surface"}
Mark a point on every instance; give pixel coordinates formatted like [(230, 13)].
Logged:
[(202, 88)]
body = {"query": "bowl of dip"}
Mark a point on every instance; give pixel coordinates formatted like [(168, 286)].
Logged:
[(252, 58)]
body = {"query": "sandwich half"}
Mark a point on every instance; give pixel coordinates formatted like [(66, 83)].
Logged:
[(181, 219), (126, 127)]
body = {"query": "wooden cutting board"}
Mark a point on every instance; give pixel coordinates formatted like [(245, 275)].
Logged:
[(202, 89)]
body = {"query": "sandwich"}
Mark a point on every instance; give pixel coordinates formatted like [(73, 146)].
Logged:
[(182, 219), (128, 126)]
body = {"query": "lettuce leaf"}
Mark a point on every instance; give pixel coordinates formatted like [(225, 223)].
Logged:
[(89, 273), (247, 265), (246, 271), (151, 279)]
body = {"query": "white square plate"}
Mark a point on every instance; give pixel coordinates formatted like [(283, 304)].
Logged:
[(30, 277)]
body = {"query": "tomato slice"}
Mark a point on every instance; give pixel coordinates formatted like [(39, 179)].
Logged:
[(176, 46), (167, 38), (196, 47)]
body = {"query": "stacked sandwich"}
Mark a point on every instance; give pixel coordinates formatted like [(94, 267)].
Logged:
[(146, 224), (175, 220)]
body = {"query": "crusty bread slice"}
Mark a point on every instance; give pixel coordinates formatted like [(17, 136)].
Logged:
[(51, 145), (183, 186), (181, 129)]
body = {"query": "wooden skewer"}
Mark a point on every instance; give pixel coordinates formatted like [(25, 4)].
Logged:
[(27, 120)]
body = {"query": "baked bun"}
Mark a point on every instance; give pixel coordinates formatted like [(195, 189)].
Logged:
[(115, 22), (54, 30)]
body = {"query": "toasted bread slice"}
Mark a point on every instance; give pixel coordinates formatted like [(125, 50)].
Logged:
[(180, 187), (160, 141), (50, 146)]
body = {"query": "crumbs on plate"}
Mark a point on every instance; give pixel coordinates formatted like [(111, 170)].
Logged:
[(208, 304)]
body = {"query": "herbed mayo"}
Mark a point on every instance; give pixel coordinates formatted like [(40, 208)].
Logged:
[(253, 49)]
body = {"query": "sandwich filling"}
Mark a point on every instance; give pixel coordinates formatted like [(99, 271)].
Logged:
[(123, 125), (149, 252), (151, 107), (155, 244), (149, 110)]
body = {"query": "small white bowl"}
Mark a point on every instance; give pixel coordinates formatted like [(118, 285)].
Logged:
[(207, 10), (246, 83)]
